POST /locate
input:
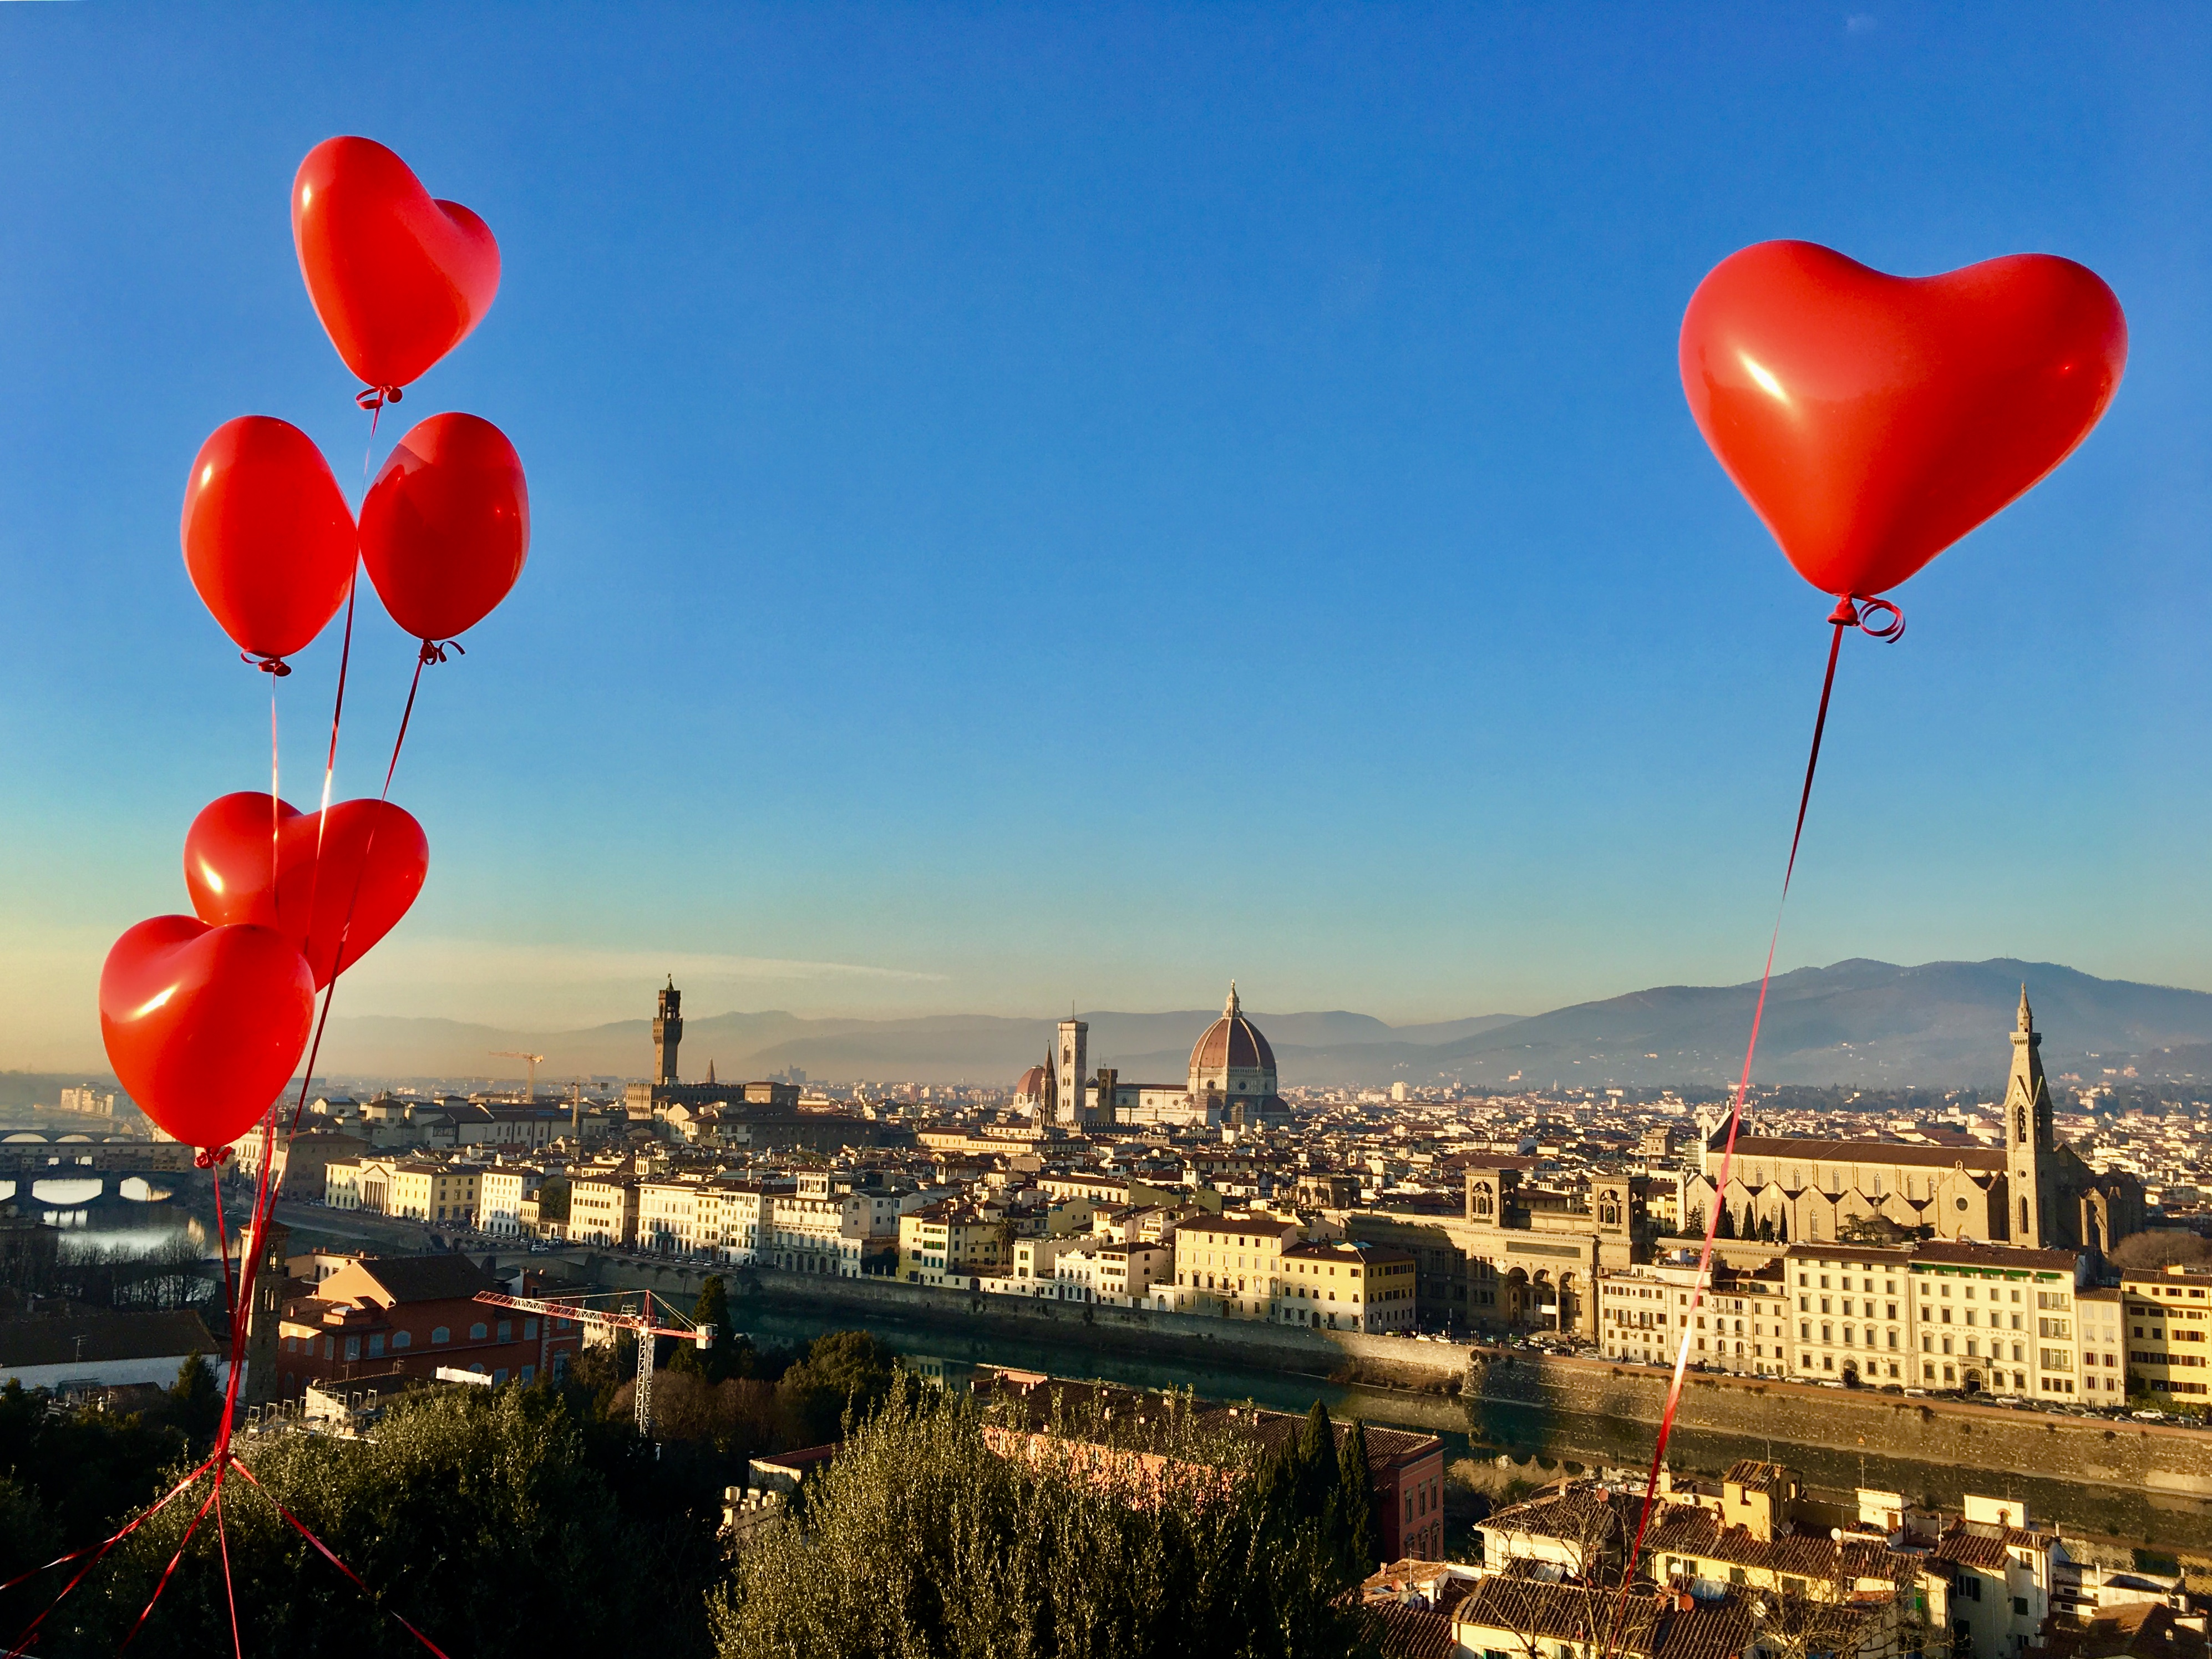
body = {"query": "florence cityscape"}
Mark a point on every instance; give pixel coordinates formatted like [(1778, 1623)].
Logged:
[(1105, 832)]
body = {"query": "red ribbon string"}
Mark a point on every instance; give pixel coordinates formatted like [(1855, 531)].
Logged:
[(371, 400), (98, 1554), (222, 1242), (276, 665), (223, 1537), (162, 1583), (1845, 615), (300, 1526), (240, 1290), (275, 823)]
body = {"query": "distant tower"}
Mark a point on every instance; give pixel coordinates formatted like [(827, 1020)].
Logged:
[(667, 1032), (2031, 1138), (1069, 1061)]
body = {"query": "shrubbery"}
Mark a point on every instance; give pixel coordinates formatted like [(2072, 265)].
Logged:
[(921, 1538), (529, 1521)]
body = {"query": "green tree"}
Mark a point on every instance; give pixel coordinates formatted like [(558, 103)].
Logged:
[(196, 1398), (1355, 1490), (922, 1538), (474, 1513), (844, 1371)]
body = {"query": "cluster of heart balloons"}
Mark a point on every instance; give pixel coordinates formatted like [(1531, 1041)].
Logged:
[(205, 1016)]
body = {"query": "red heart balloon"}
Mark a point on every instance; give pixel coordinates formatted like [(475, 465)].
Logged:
[(204, 1024), (246, 864), (398, 278), (446, 527), (268, 539), (1874, 420)]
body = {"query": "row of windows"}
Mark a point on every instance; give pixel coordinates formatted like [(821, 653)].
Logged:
[(440, 1336)]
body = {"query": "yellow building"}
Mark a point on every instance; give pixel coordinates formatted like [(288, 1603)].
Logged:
[(2168, 1322), (1338, 1286), (415, 1189), (1230, 1265), (424, 1191), (952, 1240)]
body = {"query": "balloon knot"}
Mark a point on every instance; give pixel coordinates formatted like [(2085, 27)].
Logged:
[(1878, 619), (207, 1156), (276, 665), (376, 396), (434, 650)]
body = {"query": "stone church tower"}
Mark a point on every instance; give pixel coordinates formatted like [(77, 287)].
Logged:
[(1069, 1090), (2031, 1142), (667, 1033)]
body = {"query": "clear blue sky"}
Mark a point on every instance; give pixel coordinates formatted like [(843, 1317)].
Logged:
[(1080, 502)]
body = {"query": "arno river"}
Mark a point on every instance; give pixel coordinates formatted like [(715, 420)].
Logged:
[(1537, 1444)]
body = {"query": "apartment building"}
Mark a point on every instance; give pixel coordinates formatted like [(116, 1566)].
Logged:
[(833, 1223), (749, 1216), (2102, 1339), (1741, 1324), (954, 1242), (2168, 1318), (415, 1189), (1119, 1275), (500, 1190), (1035, 1268), (1991, 1318), (1852, 1311), (678, 1217), (603, 1208), (1332, 1284), (1230, 1265)]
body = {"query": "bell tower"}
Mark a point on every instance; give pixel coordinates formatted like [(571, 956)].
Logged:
[(1071, 1057), (2031, 1139), (667, 1033)]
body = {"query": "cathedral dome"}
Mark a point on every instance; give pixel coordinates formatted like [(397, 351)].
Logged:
[(1232, 1057), (1031, 1087)]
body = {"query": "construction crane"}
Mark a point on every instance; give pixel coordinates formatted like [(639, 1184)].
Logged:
[(531, 1099), (639, 1319)]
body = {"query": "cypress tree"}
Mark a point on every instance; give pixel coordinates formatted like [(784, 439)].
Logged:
[(1355, 1495), (712, 1308), (1316, 1460)]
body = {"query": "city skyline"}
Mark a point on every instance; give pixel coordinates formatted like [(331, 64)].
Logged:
[(1033, 508)]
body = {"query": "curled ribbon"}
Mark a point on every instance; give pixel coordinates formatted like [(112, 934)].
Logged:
[(207, 1156), (276, 665), (1861, 614), (372, 398), (434, 650)]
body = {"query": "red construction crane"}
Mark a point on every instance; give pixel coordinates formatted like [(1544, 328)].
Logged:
[(652, 1317)]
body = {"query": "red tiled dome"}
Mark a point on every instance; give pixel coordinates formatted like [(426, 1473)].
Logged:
[(1232, 1041)]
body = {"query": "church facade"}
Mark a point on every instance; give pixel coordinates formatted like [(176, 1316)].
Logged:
[(2034, 1191)]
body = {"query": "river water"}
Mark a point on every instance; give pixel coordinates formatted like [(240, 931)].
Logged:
[(1516, 1441), (136, 1216)]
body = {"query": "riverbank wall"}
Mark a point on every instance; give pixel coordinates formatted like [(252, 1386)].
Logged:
[(2156, 1459)]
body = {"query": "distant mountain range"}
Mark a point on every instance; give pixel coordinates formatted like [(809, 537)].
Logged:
[(1860, 1024)]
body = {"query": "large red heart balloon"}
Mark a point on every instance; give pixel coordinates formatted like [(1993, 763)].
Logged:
[(1874, 420), (250, 860), (398, 278), (204, 1024), (446, 527), (268, 539)]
